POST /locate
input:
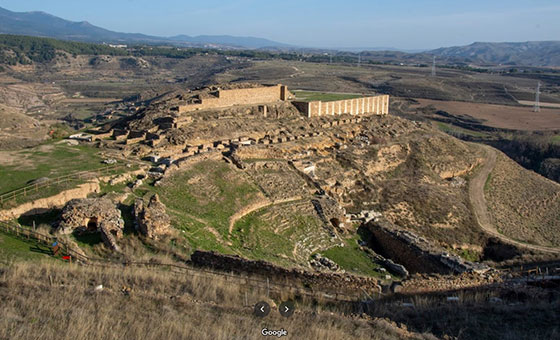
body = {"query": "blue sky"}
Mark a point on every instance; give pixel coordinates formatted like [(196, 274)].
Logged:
[(405, 24)]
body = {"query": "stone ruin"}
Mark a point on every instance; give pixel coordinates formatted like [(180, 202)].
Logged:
[(152, 219), (340, 282), (93, 215), (321, 263), (331, 212), (416, 253)]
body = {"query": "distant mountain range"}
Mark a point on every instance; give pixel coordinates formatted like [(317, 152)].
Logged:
[(45, 25), (531, 53), (536, 53)]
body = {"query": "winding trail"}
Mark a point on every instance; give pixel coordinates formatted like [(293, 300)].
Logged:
[(480, 208)]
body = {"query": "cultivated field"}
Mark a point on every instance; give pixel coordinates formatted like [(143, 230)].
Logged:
[(500, 116)]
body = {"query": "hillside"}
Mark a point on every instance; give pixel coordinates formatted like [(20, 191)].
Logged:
[(529, 212), (531, 53), (42, 24), (144, 303)]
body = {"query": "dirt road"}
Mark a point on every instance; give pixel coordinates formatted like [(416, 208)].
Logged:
[(478, 201)]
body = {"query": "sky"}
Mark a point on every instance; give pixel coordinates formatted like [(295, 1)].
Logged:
[(402, 24)]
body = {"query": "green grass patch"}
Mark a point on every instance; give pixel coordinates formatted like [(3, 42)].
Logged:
[(487, 183), (13, 248), (256, 238), (308, 96), (210, 191), (106, 188), (555, 139), (352, 259), (272, 234), (196, 233), (469, 255), (455, 130), (48, 160)]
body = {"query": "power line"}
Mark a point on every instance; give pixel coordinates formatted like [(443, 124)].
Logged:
[(537, 98)]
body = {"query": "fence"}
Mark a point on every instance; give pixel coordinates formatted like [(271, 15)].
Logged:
[(45, 239), (245, 280), (77, 176)]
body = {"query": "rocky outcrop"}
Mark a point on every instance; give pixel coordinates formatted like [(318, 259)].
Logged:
[(152, 219), (93, 215)]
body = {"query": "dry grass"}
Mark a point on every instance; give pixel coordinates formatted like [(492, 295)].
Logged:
[(56, 301), (480, 315), (524, 205)]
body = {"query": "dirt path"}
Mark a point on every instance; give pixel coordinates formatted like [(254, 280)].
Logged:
[(478, 201)]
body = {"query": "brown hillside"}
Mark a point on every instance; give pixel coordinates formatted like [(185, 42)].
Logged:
[(524, 205), (139, 303)]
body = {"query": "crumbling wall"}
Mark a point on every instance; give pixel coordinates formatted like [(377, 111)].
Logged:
[(342, 283), (247, 96), (152, 219), (43, 205), (414, 252), (413, 258)]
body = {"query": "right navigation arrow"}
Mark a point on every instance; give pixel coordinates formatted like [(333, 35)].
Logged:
[(286, 309)]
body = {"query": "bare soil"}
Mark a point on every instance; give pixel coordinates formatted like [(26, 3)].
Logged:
[(501, 116), (484, 218)]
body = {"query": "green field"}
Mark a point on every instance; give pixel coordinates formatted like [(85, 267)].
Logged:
[(308, 96), (351, 258), (272, 234), (48, 160), (13, 248), (210, 192)]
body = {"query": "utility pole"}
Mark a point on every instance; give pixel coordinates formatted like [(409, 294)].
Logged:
[(330, 57), (537, 98), (359, 59), (434, 67)]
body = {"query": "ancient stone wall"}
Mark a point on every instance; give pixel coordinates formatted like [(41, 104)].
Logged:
[(414, 252), (342, 283), (366, 105), (413, 258), (248, 96)]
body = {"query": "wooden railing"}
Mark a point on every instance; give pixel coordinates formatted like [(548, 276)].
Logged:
[(245, 280), (46, 239), (73, 177)]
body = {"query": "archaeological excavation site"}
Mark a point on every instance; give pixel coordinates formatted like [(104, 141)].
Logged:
[(249, 170), (332, 202)]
